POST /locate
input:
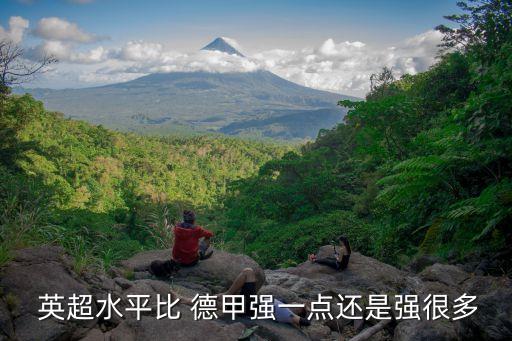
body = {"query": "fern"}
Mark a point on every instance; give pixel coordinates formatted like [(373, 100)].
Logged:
[(490, 209)]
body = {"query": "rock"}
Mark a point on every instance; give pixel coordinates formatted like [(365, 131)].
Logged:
[(448, 274), (114, 272), (280, 293), (6, 326), (142, 260), (95, 335), (481, 285), (420, 262), (271, 330), (363, 272), (301, 286), (123, 332), (416, 286), (29, 328), (218, 271), (493, 318), (142, 275), (318, 331), (414, 330), (149, 328), (34, 272), (123, 282), (100, 282), (147, 287), (41, 254)]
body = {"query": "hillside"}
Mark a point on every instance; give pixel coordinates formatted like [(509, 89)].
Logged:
[(104, 194), (422, 166), (199, 101)]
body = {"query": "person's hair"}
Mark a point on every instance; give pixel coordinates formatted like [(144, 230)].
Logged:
[(189, 216), (345, 242)]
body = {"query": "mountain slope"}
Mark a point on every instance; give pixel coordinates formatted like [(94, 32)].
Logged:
[(196, 100), (201, 101)]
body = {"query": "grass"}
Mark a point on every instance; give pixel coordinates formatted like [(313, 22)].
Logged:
[(5, 254)]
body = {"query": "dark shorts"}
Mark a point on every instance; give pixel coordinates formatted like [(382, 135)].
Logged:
[(247, 290)]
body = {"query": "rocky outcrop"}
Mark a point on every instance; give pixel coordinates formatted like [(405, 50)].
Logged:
[(36, 271), (211, 275), (33, 273), (412, 330), (152, 329), (494, 300), (364, 273)]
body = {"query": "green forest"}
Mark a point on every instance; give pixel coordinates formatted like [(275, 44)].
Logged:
[(105, 195), (422, 166)]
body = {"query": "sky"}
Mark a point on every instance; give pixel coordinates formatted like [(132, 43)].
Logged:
[(332, 45)]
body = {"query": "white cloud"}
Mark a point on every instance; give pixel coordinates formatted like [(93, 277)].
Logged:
[(58, 29), (152, 57), (233, 43), (346, 67), (139, 51), (65, 52), (342, 67), (17, 28)]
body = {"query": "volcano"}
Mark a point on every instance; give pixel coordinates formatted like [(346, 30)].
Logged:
[(257, 103)]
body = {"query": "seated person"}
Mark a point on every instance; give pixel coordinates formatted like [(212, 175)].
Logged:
[(336, 262), (191, 241), (245, 284)]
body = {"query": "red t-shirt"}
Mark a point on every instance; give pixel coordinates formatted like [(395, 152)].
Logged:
[(186, 243)]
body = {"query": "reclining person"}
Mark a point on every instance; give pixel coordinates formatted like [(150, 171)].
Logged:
[(245, 284), (191, 242), (336, 262)]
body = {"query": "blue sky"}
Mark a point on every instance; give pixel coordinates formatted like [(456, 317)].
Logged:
[(278, 23), (258, 26)]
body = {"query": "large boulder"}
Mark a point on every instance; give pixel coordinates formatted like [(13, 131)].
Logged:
[(365, 273), (450, 275), (414, 330), (35, 272), (301, 286), (142, 260), (149, 328), (216, 273), (420, 262), (280, 293), (6, 325), (96, 335), (271, 330), (493, 318)]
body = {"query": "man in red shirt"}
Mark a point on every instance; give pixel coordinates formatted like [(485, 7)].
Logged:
[(188, 247)]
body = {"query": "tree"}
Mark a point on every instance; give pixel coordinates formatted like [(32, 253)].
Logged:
[(381, 83), (15, 69), (484, 27)]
